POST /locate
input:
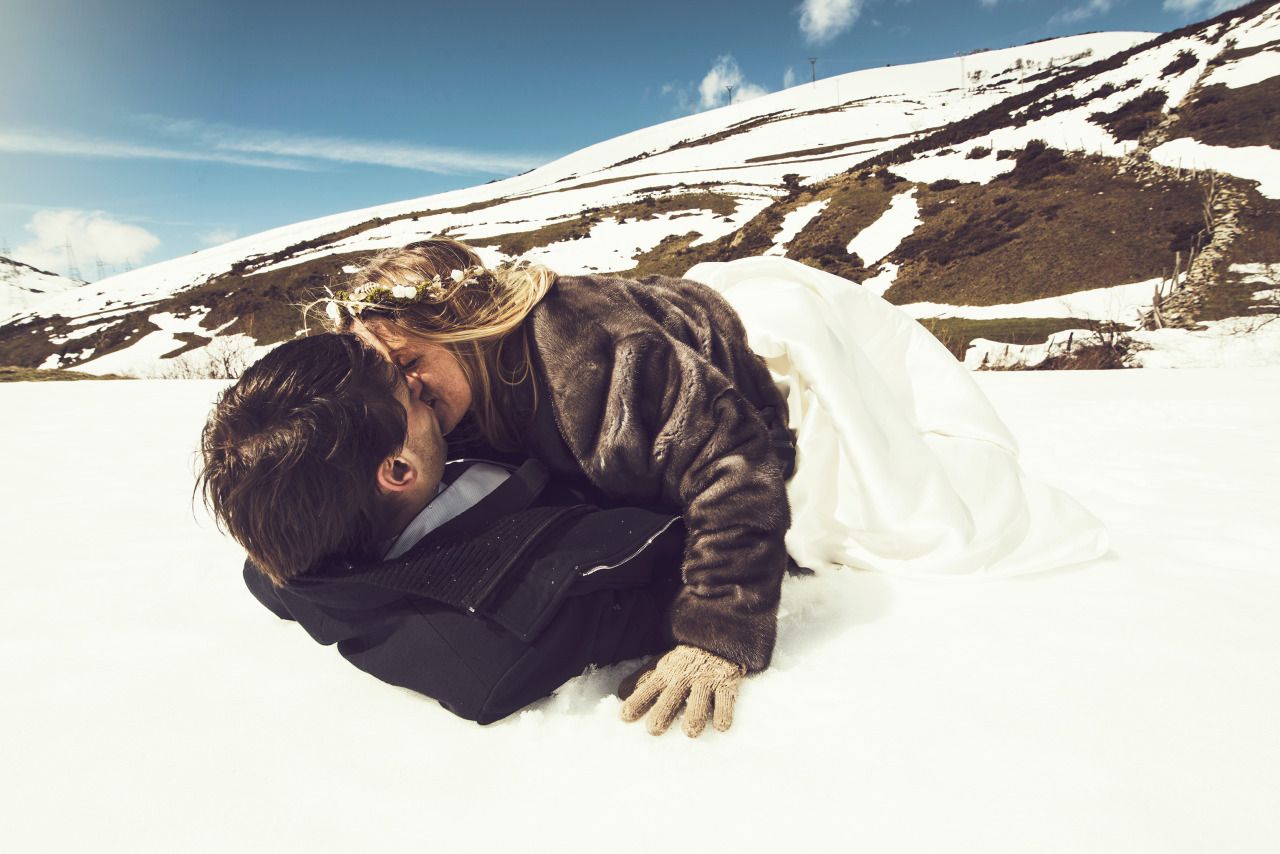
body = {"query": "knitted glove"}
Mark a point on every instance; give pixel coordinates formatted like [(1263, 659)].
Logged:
[(687, 673)]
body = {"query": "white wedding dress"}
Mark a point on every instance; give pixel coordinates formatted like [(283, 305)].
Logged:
[(903, 466)]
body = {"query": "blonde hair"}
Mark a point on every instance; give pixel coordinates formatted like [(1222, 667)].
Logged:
[(474, 319)]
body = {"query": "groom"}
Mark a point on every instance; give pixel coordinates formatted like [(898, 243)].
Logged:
[(480, 584)]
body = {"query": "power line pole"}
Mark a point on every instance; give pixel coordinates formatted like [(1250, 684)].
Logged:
[(73, 270), (730, 89), (813, 69), (102, 268)]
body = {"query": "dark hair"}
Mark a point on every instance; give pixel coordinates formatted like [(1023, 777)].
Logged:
[(291, 452)]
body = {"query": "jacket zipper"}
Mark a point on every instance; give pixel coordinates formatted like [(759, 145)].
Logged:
[(499, 463), (617, 563)]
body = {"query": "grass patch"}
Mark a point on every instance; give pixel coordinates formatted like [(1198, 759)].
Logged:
[(1233, 297), (1184, 61), (266, 306), (856, 201), (1070, 224), (520, 242), (576, 228), (1134, 118), (1259, 240), (1235, 117), (15, 374)]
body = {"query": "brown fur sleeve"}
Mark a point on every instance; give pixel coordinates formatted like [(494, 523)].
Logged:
[(672, 420)]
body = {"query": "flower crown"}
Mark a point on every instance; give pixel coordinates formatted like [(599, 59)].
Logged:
[(374, 296)]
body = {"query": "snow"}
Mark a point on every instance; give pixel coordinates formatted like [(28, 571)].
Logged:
[(1245, 72), (793, 223), (1247, 342), (140, 357), (1252, 341), (614, 245), (1252, 162), (1263, 29), (880, 238), (959, 166), (883, 280), (23, 287), (983, 352), (1120, 303), (1128, 704)]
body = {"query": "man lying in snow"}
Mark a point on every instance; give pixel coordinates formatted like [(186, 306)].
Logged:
[(482, 585)]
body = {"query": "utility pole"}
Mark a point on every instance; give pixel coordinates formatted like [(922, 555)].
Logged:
[(730, 88), (102, 268), (813, 69), (73, 270)]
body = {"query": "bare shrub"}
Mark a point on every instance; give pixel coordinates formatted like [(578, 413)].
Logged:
[(221, 359)]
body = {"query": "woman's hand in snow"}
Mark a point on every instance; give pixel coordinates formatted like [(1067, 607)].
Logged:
[(704, 683)]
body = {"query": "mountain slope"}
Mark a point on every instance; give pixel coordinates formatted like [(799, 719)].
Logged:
[(996, 179), (23, 287)]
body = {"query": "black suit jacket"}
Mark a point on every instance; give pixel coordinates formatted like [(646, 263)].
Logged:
[(590, 586)]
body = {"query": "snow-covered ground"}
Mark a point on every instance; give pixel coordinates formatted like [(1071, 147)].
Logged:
[(1125, 705), (1120, 303), (884, 235), (793, 223), (1253, 162)]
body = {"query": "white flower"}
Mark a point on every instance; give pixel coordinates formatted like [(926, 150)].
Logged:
[(404, 292), (334, 311), (457, 275)]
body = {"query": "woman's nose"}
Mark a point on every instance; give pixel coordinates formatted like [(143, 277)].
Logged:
[(415, 384)]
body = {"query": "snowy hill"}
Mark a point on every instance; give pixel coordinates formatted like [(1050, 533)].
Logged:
[(23, 287), (1012, 199)]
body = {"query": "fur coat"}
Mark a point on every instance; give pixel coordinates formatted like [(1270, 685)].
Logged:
[(648, 389)]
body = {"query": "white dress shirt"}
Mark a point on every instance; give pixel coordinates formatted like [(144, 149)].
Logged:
[(451, 501)]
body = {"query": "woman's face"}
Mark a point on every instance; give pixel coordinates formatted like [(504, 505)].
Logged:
[(443, 385)]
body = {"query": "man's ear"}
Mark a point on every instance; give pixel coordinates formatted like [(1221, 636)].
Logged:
[(396, 474)]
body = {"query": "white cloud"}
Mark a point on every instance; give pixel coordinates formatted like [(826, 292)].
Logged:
[(712, 91), (1082, 12), (823, 20), (200, 142), (226, 138), (789, 78), (987, 4), (218, 236), (93, 237), (52, 142), (1191, 7)]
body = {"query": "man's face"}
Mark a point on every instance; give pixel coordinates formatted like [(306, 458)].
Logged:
[(424, 446)]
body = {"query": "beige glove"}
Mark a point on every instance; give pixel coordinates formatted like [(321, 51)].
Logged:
[(705, 680)]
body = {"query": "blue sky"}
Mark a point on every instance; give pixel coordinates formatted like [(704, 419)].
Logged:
[(139, 130)]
